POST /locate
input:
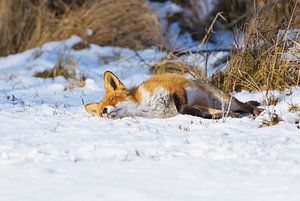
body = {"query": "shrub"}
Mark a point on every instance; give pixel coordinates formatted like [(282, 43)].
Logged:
[(268, 58), (29, 23)]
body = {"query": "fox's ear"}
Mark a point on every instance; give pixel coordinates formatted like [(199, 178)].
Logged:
[(93, 109), (111, 82)]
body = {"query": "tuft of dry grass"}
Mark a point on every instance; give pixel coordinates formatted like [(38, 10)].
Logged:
[(261, 69), (117, 23), (174, 64), (170, 64), (294, 108), (270, 99), (29, 23), (267, 60), (274, 119), (65, 66)]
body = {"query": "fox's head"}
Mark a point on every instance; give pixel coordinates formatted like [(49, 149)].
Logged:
[(115, 93)]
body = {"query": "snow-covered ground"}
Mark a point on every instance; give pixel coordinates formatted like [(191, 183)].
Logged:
[(51, 149)]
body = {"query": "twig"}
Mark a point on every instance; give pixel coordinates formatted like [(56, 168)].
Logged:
[(229, 105), (82, 101), (237, 20), (180, 53), (205, 39), (142, 59)]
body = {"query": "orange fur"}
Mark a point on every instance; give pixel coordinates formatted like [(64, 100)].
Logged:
[(171, 82)]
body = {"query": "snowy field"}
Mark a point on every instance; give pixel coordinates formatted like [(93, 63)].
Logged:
[(52, 150)]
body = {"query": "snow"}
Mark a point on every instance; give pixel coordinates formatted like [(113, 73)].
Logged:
[(220, 39), (172, 31), (51, 149)]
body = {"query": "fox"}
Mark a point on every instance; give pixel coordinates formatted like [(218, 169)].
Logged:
[(166, 95)]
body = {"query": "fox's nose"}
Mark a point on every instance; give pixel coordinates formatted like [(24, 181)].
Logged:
[(104, 110)]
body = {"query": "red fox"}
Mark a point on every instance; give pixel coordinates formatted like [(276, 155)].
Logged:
[(167, 95)]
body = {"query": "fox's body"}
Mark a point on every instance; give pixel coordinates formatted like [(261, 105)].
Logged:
[(164, 96)]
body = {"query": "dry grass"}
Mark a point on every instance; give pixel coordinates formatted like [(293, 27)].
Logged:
[(170, 64), (269, 58), (274, 119), (29, 23), (234, 11), (294, 108), (263, 63), (261, 69), (270, 99), (174, 64), (65, 66)]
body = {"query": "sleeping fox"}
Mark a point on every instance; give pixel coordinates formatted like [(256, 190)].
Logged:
[(167, 95)]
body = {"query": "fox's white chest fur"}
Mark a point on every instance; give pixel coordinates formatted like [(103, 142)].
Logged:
[(158, 104)]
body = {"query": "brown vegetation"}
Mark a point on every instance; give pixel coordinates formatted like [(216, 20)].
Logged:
[(267, 60), (170, 64), (29, 23), (264, 61), (65, 66)]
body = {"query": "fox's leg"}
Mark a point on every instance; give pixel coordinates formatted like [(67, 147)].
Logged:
[(216, 98), (206, 112), (228, 102), (248, 107)]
